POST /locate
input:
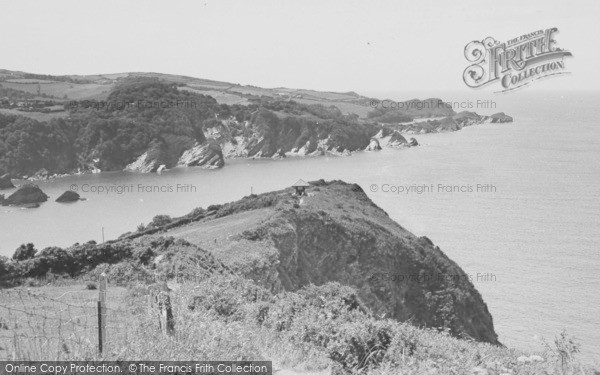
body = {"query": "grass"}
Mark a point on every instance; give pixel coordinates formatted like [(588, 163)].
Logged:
[(59, 89), (56, 322), (316, 330)]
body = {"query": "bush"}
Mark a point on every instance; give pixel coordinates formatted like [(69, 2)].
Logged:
[(5, 268), (331, 317), (124, 273), (230, 298), (198, 211), (160, 221), (54, 259), (24, 252), (214, 207), (91, 286)]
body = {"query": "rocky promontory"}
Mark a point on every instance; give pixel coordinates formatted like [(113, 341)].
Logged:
[(500, 117), (336, 233), (28, 195), (207, 155)]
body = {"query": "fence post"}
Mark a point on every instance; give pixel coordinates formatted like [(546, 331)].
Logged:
[(102, 313), (166, 321)]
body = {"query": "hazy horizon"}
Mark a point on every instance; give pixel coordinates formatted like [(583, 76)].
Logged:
[(334, 46)]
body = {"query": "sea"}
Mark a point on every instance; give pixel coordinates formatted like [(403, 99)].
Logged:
[(516, 205)]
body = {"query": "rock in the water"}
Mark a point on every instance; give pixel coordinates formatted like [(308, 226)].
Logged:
[(397, 140), (501, 117), (68, 196), (27, 194), (5, 182), (208, 155)]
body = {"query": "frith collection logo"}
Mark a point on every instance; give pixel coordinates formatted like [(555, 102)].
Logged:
[(515, 63)]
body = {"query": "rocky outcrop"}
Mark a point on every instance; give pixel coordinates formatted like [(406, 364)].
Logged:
[(207, 155), (144, 164), (500, 117), (149, 161), (397, 140), (68, 196), (336, 233), (27, 195), (373, 145), (5, 182), (41, 174), (452, 123)]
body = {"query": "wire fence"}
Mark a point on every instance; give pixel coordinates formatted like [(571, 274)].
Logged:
[(36, 325)]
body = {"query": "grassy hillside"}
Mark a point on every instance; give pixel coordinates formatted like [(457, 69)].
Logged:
[(98, 87)]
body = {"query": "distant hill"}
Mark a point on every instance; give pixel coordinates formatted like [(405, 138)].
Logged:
[(148, 121), (98, 87)]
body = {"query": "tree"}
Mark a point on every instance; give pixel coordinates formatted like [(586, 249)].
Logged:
[(24, 252), (159, 221), (4, 265)]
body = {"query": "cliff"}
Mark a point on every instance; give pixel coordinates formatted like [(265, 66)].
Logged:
[(336, 233)]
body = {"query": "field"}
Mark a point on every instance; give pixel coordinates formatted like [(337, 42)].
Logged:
[(98, 87), (58, 90), (58, 322), (39, 116)]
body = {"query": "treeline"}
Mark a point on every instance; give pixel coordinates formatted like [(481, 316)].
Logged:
[(110, 137), (80, 260), (47, 77)]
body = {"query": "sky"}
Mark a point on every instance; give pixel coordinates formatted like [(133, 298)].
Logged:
[(363, 46)]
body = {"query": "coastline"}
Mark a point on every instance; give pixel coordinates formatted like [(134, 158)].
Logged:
[(382, 142)]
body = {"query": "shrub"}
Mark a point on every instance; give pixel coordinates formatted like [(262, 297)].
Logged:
[(230, 298), (24, 252), (31, 282), (360, 345), (214, 207), (331, 317), (160, 221), (53, 259), (124, 273), (196, 212), (91, 286), (6, 269), (143, 254)]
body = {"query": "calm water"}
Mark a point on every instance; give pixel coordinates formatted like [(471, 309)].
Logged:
[(538, 233)]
